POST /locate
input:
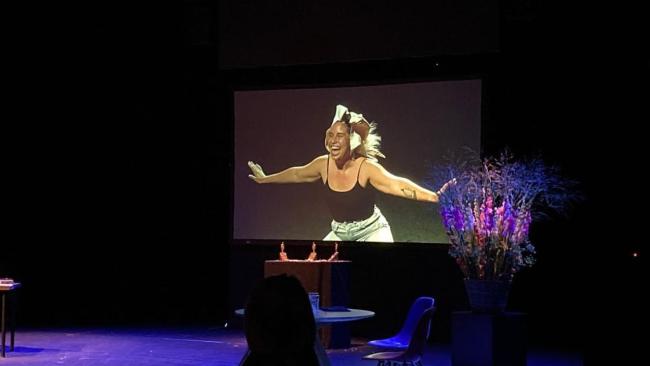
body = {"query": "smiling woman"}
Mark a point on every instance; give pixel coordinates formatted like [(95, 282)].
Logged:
[(350, 175), (302, 136)]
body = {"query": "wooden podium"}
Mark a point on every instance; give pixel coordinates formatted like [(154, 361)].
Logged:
[(331, 280)]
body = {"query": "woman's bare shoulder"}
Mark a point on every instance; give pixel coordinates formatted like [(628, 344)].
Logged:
[(372, 164), (319, 162), (320, 159), (370, 169)]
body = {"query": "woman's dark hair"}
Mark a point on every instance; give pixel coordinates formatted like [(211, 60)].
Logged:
[(346, 118), (279, 323)]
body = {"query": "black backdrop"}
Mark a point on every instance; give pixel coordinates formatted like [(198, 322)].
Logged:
[(120, 153)]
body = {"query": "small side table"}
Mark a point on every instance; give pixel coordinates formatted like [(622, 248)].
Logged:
[(8, 294), (488, 339)]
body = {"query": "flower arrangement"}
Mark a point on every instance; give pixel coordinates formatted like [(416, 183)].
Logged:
[(487, 213)]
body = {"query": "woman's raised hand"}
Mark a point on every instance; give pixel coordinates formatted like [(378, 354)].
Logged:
[(258, 173), (446, 186)]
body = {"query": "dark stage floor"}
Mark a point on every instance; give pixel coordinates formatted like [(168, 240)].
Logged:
[(191, 347)]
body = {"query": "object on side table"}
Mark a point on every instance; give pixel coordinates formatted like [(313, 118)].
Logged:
[(335, 255), (312, 255), (283, 254)]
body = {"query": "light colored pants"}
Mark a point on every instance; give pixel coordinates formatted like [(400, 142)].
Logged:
[(375, 228)]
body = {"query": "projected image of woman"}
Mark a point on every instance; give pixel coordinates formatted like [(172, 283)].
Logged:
[(350, 175)]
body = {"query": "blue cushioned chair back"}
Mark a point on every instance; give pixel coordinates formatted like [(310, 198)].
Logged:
[(418, 308)]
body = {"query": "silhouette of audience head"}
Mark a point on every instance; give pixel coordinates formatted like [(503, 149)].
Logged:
[(279, 324)]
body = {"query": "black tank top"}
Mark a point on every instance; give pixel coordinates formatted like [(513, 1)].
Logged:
[(354, 205)]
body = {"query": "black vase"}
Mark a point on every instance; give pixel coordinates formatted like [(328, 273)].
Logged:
[(487, 296)]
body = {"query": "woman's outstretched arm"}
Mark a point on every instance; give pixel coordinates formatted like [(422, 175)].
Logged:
[(385, 182), (296, 174)]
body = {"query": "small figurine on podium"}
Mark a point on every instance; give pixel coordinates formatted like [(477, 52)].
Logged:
[(335, 255), (312, 255), (283, 254)]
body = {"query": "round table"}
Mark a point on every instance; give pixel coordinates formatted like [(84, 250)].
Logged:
[(329, 317)]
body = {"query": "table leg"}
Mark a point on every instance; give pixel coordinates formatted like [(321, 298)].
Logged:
[(13, 308), (2, 315)]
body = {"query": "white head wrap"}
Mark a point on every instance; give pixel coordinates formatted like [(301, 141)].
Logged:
[(343, 114)]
